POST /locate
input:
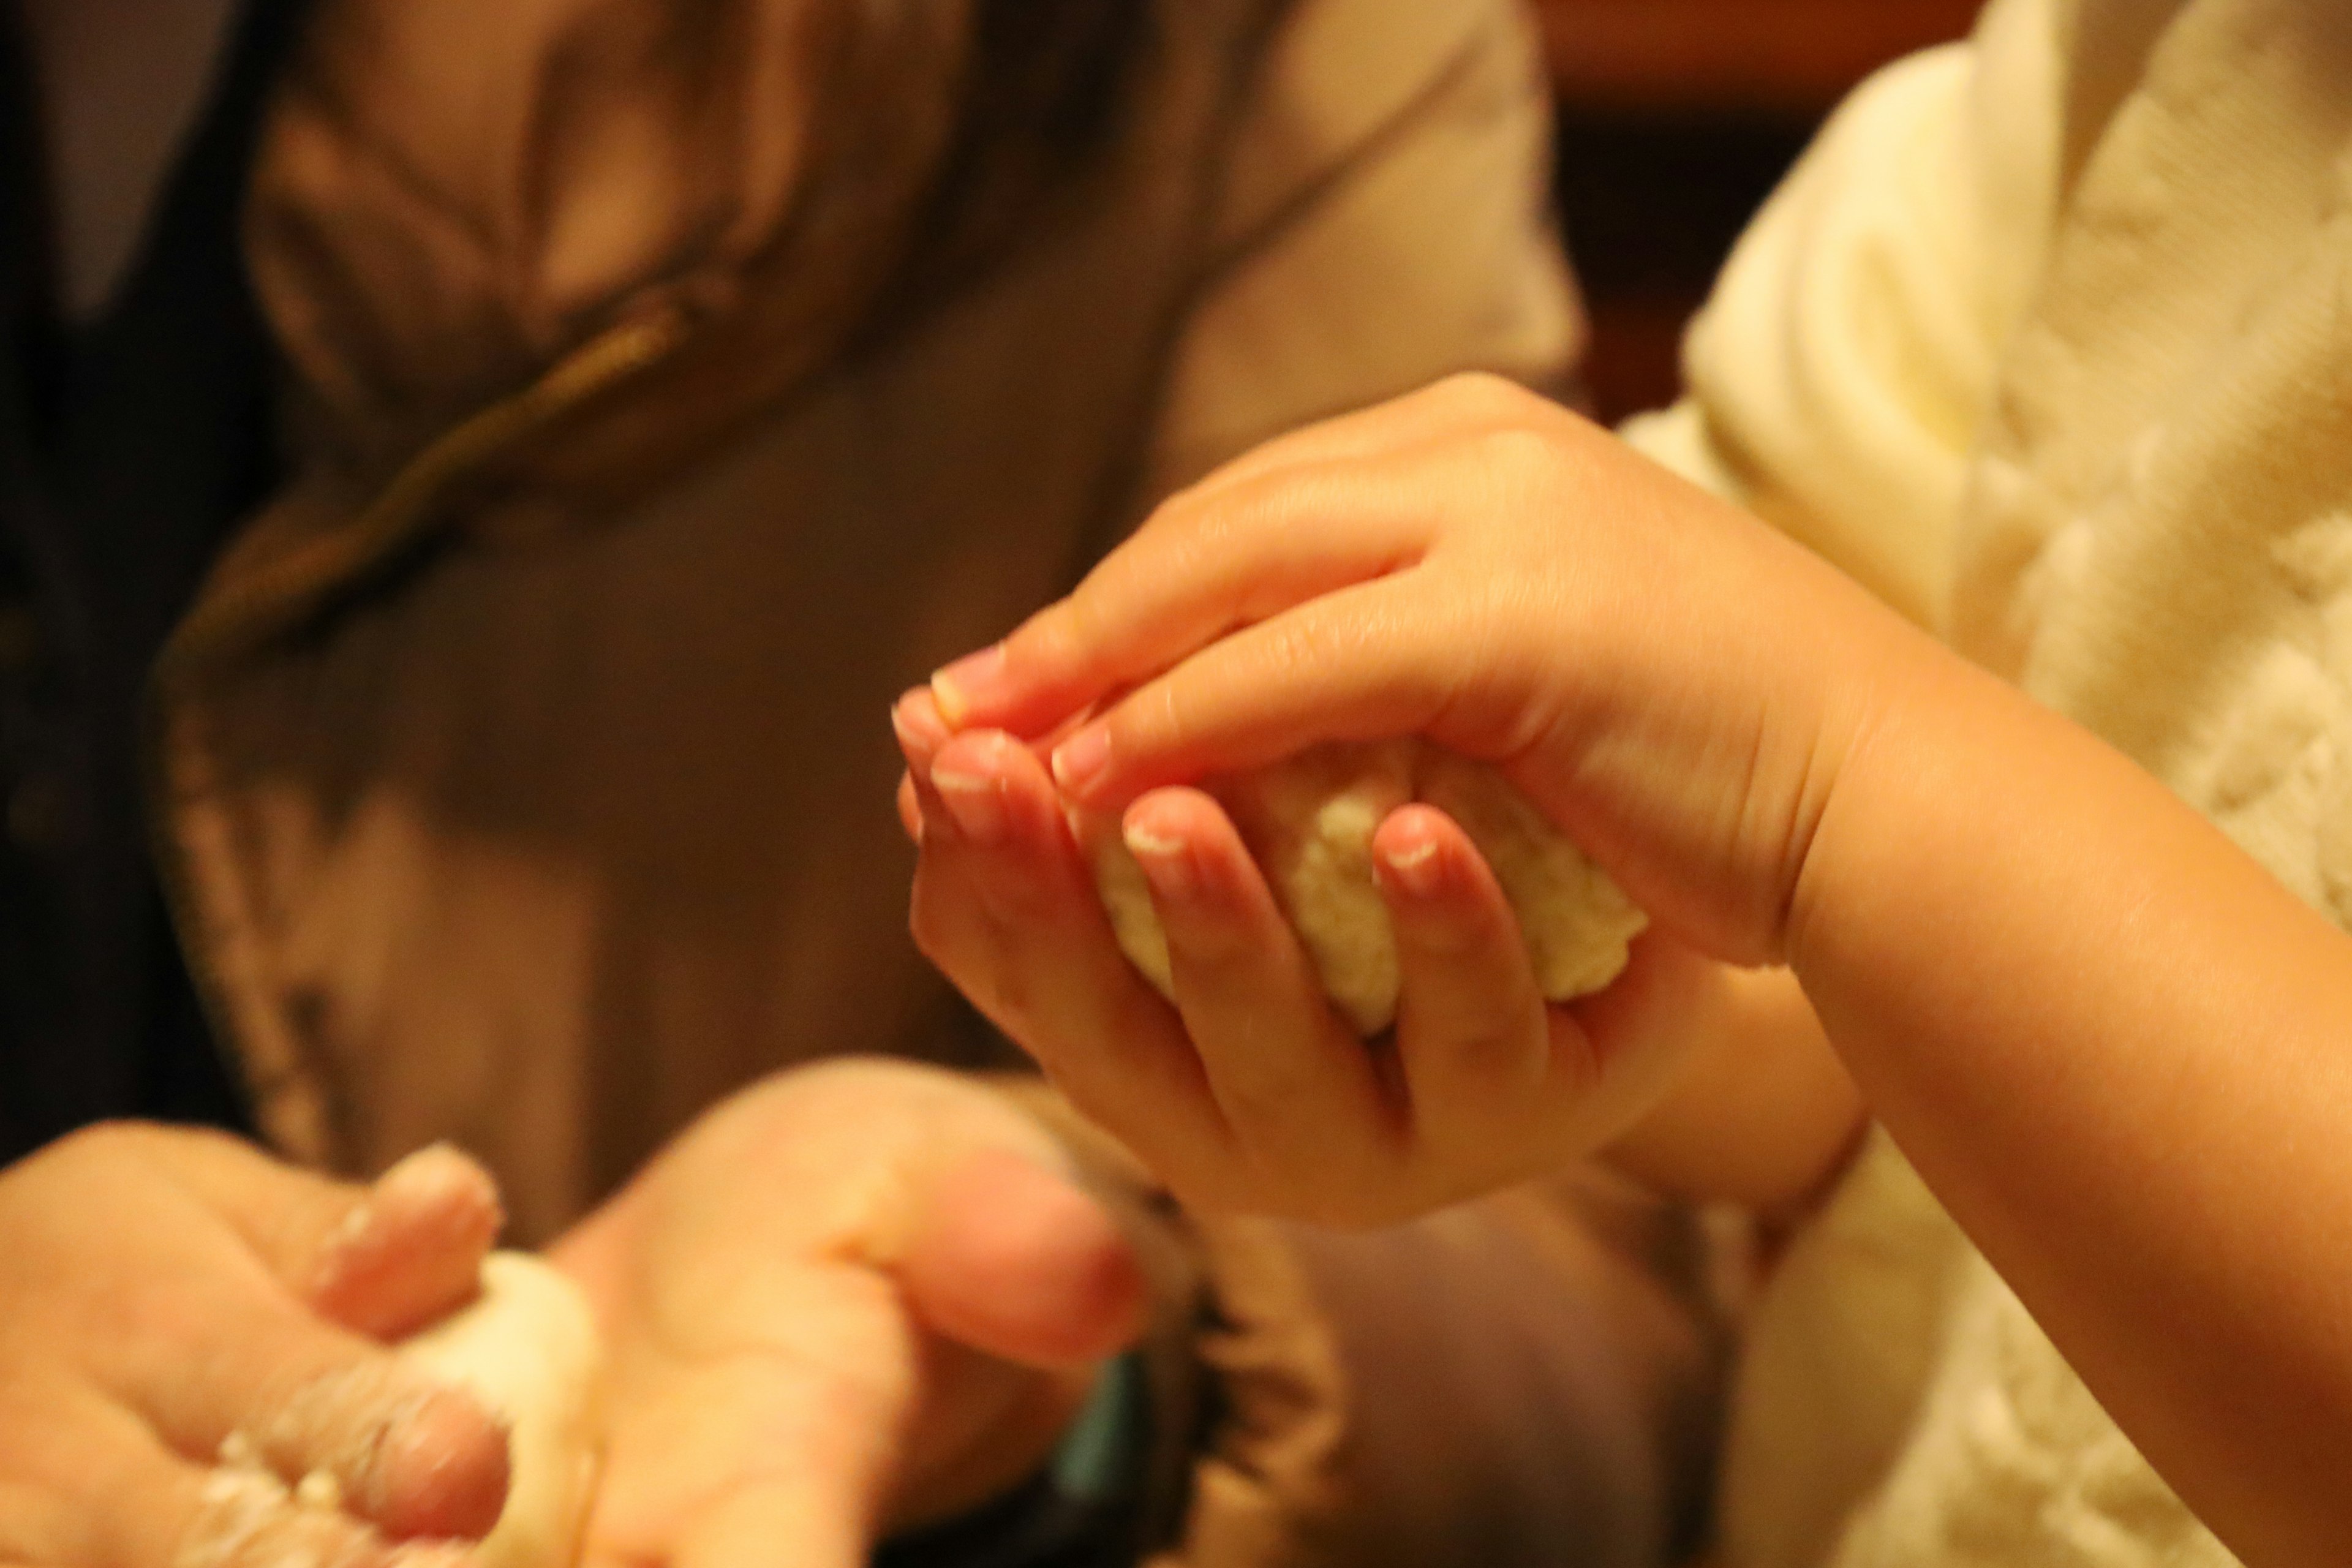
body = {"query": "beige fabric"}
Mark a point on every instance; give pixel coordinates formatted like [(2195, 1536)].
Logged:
[(530, 773), (2047, 343)]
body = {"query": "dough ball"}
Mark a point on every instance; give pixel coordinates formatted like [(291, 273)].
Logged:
[(528, 1349), (1309, 822)]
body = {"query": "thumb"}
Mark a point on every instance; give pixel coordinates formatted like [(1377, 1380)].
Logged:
[(305, 1376), (1011, 1259)]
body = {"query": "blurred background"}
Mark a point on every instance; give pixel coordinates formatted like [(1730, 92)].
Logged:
[(1677, 118)]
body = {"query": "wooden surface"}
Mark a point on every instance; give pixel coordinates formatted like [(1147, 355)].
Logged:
[(1798, 56)]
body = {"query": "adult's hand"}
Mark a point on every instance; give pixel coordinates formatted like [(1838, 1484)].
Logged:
[(857, 1297), (171, 1300)]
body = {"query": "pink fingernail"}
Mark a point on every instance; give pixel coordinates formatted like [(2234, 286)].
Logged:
[(976, 800), (915, 720), (1166, 861), (1079, 762), (1417, 869), (967, 681)]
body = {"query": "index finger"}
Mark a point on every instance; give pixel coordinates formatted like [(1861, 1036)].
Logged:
[(1208, 564), (1300, 515), (380, 1260), (1362, 664)]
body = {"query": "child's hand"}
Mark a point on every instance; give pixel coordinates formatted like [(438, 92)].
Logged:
[(1667, 679), (1673, 683), (1250, 1093), (2046, 973)]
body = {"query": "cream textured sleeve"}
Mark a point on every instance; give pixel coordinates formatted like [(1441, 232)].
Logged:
[(1840, 372)]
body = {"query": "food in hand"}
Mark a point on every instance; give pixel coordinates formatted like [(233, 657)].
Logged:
[(1309, 821), (528, 1349)]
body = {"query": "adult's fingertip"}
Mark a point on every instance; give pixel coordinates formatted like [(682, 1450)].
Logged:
[(1017, 1261), (411, 1252), (413, 1457), (441, 1469)]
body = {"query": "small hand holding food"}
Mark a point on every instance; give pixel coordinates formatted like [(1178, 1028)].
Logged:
[(194, 1368), (1672, 684)]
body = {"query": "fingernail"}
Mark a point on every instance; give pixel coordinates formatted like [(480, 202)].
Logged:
[(1166, 861), (437, 1174), (976, 800), (1079, 761), (914, 719), (435, 1199), (1417, 869), (966, 681)]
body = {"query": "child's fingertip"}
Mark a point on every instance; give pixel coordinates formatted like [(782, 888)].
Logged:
[(974, 800), (910, 809), (915, 720), (1164, 854), (960, 686), (1411, 857), (1080, 762)]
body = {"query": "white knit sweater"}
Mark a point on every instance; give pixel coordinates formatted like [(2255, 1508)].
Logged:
[(2049, 341)]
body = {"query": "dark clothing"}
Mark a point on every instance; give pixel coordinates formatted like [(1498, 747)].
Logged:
[(129, 447)]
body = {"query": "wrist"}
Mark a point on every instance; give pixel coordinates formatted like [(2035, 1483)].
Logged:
[(1081, 1504), (1886, 734), (989, 1428)]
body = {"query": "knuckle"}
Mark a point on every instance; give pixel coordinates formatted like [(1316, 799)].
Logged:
[(1518, 455), (1312, 642), (1482, 392)]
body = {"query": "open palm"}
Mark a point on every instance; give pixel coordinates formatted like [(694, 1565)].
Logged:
[(855, 1298)]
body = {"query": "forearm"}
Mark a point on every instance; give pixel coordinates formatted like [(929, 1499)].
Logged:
[(2115, 1047), (1764, 1115)]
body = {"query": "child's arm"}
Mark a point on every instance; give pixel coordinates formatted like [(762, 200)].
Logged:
[(2117, 1049), (2115, 1046), (1763, 1114)]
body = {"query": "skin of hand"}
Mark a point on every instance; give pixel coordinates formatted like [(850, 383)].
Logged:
[(857, 1297), (164, 1293), (1425, 567), (2111, 1042)]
